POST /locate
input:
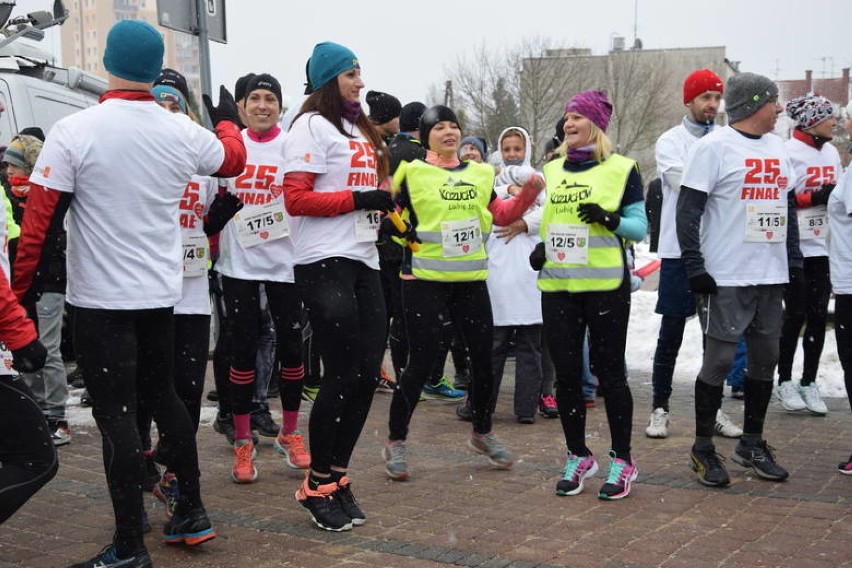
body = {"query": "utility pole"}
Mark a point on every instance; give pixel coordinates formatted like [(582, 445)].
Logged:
[(203, 50)]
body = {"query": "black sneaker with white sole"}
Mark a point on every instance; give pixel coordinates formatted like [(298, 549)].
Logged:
[(708, 465), (324, 506)]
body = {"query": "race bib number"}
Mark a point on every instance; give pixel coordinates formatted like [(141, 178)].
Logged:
[(366, 225), (6, 357), (812, 223), (766, 222), (258, 224), (567, 244), (195, 256), (461, 237)]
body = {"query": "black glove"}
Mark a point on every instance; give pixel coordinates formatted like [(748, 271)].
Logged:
[(821, 195), (538, 256), (373, 200), (702, 284), (29, 358), (227, 109), (410, 234), (594, 213), (223, 208)]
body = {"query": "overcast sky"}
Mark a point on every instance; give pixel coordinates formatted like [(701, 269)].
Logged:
[(405, 50)]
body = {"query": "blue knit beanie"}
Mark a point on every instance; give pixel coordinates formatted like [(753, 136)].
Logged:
[(166, 93), (328, 61), (134, 51)]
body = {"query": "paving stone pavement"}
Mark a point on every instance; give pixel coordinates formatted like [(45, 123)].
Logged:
[(455, 511)]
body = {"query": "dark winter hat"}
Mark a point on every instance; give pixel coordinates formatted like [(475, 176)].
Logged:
[(264, 81), (409, 116), (33, 131), (172, 78), (308, 88), (699, 82), (431, 117), (167, 93), (134, 51), (383, 107), (746, 93), (328, 61), (560, 131), (23, 151), (478, 142), (809, 110), (240, 86), (593, 105)]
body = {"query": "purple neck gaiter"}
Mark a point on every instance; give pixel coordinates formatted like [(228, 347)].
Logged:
[(578, 155), (351, 110)]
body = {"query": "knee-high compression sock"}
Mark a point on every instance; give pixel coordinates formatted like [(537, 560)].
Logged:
[(708, 400), (292, 379), (242, 387), (757, 395)]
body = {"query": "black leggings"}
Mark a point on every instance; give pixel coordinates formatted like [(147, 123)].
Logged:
[(128, 357), (192, 343), (843, 334), (222, 349), (242, 302), (813, 310), (344, 302), (469, 306), (26, 451), (566, 316)]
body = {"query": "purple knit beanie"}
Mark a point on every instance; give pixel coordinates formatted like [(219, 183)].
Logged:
[(593, 105)]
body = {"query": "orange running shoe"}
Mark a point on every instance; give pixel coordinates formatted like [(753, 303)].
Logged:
[(244, 470), (292, 447)]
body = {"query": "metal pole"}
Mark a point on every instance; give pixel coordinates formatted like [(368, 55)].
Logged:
[(203, 52)]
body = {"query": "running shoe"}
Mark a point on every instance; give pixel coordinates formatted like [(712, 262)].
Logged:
[(845, 467), (310, 393), (224, 424), (726, 427), (789, 397), (348, 503), (60, 433), (708, 465), (263, 424), (621, 476), (395, 464), (462, 382), (547, 406), (108, 558), (386, 383), (759, 457), (324, 506), (658, 424), (190, 529), (244, 470), (812, 399), (590, 403), (443, 391), (525, 419), (737, 393), (85, 399), (576, 470), (463, 411), (213, 395), (488, 445), (168, 491), (292, 447)]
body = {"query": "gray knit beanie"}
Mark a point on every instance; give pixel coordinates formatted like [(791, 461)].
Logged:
[(745, 93)]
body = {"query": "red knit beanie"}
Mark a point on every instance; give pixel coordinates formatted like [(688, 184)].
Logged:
[(699, 82)]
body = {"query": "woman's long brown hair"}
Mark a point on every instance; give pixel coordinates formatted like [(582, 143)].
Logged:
[(327, 102)]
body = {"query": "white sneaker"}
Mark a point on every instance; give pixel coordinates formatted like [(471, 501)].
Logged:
[(812, 399), (725, 427), (789, 396), (658, 424)]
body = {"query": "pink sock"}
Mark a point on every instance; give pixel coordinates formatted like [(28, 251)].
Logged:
[(242, 426), (290, 422)]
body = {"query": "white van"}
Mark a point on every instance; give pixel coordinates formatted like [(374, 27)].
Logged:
[(33, 90)]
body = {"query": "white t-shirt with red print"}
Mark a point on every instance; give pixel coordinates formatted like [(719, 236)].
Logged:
[(813, 169), (198, 194), (314, 145), (255, 245), (127, 164), (744, 226)]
